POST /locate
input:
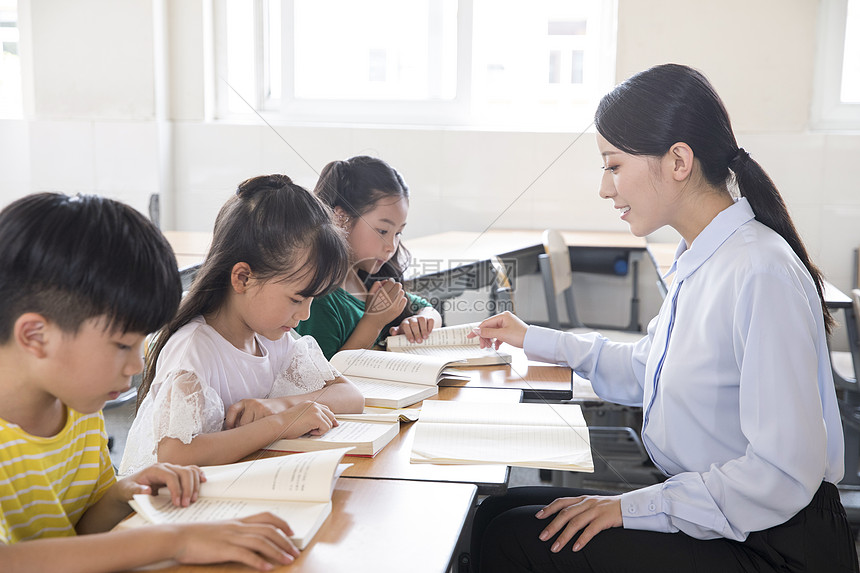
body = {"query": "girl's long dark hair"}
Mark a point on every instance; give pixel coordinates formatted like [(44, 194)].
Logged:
[(281, 231), (654, 109), (356, 185)]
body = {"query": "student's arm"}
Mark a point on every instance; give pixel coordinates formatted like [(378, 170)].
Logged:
[(340, 395), (257, 541), (228, 446), (182, 482), (386, 301)]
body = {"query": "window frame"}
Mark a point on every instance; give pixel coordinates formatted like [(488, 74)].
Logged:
[(454, 111), (457, 112), (828, 111)]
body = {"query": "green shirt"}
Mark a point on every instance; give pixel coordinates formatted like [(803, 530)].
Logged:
[(334, 317)]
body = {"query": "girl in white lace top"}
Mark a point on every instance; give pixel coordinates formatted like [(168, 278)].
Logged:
[(224, 378)]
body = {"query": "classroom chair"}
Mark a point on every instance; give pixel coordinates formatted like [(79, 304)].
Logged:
[(557, 278)]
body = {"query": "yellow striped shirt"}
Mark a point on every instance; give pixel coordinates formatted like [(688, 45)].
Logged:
[(46, 484)]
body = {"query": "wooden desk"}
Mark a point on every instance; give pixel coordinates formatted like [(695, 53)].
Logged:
[(537, 380), (445, 265), (380, 526), (393, 461)]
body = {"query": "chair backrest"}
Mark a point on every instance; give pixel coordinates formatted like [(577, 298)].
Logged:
[(503, 286), (559, 260)]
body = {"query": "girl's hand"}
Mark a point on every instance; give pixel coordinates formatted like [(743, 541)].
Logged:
[(505, 327), (416, 328), (251, 409), (257, 541), (307, 418), (591, 514), (183, 482), (386, 301)]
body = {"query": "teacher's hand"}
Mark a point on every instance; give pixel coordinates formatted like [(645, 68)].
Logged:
[(589, 514)]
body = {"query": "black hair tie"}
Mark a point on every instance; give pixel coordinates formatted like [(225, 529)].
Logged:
[(740, 158)]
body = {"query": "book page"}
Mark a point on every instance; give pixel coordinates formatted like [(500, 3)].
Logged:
[(550, 447), (457, 353), (392, 415), (370, 388), (303, 517), (389, 366), (302, 477), (347, 432), (560, 415), (443, 336)]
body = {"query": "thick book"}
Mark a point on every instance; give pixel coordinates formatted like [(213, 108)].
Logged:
[(363, 438), (544, 436), (295, 488), (452, 343), (391, 380)]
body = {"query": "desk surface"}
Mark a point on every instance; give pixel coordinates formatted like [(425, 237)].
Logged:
[(474, 245), (380, 526), (523, 374), (393, 461)]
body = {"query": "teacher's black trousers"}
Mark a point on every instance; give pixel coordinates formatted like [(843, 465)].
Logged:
[(505, 540)]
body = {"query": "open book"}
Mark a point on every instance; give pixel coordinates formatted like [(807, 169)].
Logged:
[(363, 438), (295, 488), (545, 436), (391, 380), (450, 342)]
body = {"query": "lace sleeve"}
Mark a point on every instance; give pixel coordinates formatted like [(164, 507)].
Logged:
[(304, 370), (180, 407)]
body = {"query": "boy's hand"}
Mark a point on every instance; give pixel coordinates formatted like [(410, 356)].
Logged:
[(248, 410), (257, 541), (183, 482), (504, 327), (386, 300), (307, 418), (416, 328)]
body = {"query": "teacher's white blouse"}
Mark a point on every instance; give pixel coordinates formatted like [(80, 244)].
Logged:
[(735, 383)]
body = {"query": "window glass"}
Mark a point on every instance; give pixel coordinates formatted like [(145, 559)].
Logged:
[(492, 63), (375, 49)]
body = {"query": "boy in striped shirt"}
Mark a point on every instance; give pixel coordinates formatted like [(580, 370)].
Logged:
[(82, 280)]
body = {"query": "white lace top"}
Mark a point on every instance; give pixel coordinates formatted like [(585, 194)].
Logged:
[(199, 375)]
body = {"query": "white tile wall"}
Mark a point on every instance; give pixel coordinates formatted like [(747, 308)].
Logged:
[(62, 156)]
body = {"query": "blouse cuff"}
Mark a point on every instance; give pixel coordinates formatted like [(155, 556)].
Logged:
[(643, 509), (540, 344)]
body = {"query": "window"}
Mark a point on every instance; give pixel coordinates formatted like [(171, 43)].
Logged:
[(540, 64), (10, 62), (837, 87)]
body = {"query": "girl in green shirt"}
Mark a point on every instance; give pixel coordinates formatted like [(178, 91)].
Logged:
[(370, 203)]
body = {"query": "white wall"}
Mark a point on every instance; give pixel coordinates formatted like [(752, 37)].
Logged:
[(94, 123)]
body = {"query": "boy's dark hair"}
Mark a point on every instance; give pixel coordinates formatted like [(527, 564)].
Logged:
[(75, 258)]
